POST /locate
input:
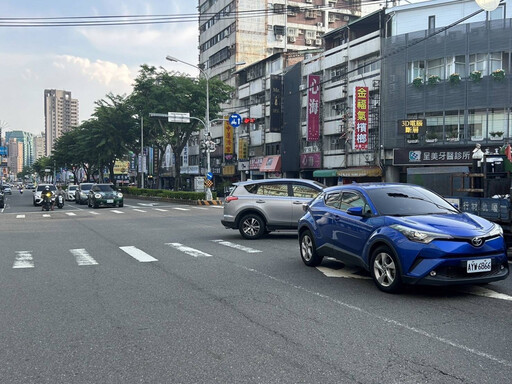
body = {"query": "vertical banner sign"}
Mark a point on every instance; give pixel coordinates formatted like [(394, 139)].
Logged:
[(275, 103), (150, 161), (243, 149), (155, 161), (313, 109), (184, 154), (228, 140), (360, 118)]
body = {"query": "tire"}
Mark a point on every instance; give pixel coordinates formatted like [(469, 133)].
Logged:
[(121, 205), (35, 205), (95, 205), (385, 270), (89, 203), (251, 226), (308, 252)]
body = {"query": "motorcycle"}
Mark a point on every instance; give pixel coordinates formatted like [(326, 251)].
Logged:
[(21, 191), (60, 201), (47, 201)]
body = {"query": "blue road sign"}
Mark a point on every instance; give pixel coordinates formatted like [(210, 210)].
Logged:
[(209, 176), (235, 120)]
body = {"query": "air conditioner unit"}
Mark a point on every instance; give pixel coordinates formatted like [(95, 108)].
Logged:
[(318, 41), (291, 39), (346, 18), (279, 37), (319, 24), (309, 41), (309, 1), (332, 18)]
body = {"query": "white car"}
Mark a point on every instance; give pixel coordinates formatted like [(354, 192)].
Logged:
[(37, 193), (70, 192)]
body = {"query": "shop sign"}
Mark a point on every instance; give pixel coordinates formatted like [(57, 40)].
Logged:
[(311, 160), (255, 162), (361, 118), (313, 108)]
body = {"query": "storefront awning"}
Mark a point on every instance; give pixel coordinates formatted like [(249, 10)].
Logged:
[(271, 164), (325, 173)]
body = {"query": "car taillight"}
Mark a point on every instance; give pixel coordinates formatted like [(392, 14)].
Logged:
[(231, 198)]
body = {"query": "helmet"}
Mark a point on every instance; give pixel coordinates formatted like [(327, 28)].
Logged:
[(47, 188)]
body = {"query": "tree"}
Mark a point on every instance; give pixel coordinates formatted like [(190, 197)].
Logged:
[(159, 91)]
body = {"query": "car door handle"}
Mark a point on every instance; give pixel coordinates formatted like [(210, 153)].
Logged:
[(298, 202), (260, 201)]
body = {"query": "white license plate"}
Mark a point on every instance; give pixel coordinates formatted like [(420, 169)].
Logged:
[(483, 265), (110, 201)]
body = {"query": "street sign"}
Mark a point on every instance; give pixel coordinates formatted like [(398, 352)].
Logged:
[(178, 117), (209, 175), (235, 120), (208, 183)]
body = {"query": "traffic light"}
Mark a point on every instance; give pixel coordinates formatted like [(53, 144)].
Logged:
[(248, 120)]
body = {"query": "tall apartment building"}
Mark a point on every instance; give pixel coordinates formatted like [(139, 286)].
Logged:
[(39, 146), (60, 114), (15, 156), (27, 140)]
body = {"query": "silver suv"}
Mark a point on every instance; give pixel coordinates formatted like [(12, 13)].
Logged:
[(258, 207)]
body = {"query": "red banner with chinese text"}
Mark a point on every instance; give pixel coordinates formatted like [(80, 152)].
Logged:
[(313, 108)]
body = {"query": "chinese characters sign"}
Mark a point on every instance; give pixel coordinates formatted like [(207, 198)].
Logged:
[(445, 156), (275, 103), (413, 126), (313, 109), (228, 139), (361, 118)]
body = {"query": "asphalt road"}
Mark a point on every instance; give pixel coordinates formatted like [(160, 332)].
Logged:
[(162, 293)]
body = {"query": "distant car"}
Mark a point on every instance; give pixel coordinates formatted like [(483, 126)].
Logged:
[(70, 192), (104, 195), (402, 233), (82, 193), (37, 193), (7, 190), (30, 186), (258, 207)]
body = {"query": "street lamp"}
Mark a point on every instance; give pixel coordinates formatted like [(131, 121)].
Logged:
[(207, 119)]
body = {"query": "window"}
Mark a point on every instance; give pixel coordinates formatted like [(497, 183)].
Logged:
[(434, 128), (333, 200), (351, 199), (273, 189), (368, 64), (300, 190), (456, 64), (416, 69), (454, 125), (495, 61), (477, 124), (497, 122), (431, 24), (478, 62), (436, 68), (497, 14)]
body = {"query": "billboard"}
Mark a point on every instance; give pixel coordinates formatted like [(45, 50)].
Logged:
[(361, 118), (313, 108)]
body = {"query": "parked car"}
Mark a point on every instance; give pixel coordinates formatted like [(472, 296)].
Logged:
[(258, 207), (82, 193), (2, 199), (104, 195), (70, 192), (402, 233), (6, 189), (37, 193)]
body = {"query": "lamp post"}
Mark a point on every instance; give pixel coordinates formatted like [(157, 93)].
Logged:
[(207, 117)]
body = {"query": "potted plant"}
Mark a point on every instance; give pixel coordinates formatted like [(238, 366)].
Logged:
[(452, 135), (454, 78), (496, 135), (433, 79), (431, 137), (417, 82), (475, 76), (498, 74)]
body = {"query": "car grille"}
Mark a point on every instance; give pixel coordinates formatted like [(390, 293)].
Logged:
[(457, 272)]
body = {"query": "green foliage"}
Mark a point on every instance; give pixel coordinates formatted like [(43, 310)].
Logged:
[(163, 193)]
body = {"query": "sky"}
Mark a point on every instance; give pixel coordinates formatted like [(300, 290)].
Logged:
[(89, 61)]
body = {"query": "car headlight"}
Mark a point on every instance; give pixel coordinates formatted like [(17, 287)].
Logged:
[(419, 236), (497, 230), (119, 194), (97, 195)]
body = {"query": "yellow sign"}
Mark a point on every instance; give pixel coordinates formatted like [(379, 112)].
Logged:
[(121, 166), (228, 138)]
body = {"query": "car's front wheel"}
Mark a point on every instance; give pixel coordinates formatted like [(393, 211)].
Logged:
[(308, 252), (385, 270), (252, 226)]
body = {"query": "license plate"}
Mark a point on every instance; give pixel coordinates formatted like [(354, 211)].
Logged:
[(110, 201), (474, 266)]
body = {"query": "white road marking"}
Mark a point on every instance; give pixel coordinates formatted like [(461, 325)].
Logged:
[(160, 209), (23, 260), (182, 209), (485, 292), (217, 206), (204, 209), (139, 210), (70, 214), (137, 254), (82, 257), (20, 216), (237, 246), (188, 250), (116, 211), (47, 215), (147, 204), (345, 272), (94, 213)]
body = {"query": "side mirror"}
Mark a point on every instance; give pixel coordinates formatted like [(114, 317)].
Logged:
[(356, 211), (305, 207)]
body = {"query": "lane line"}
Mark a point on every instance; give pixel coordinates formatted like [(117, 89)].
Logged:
[(94, 213), (189, 251), (485, 292), (82, 257), (181, 209), (116, 211), (139, 210), (20, 216), (137, 254), (47, 215), (23, 260), (237, 246), (70, 214), (345, 272), (160, 209)]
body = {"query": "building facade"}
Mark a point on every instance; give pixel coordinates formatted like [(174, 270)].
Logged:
[(27, 140), (60, 113)]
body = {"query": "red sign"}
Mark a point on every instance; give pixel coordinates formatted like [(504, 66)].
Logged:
[(361, 118), (313, 108), (311, 160)]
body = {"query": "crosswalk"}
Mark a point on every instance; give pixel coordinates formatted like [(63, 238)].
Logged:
[(25, 259), (125, 210)]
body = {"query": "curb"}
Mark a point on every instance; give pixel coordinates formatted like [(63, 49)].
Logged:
[(209, 202)]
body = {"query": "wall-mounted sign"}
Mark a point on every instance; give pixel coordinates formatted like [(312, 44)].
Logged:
[(275, 103), (313, 108), (412, 126), (361, 118)]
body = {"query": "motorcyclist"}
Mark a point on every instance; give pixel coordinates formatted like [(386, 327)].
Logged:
[(45, 196), (59, 192)]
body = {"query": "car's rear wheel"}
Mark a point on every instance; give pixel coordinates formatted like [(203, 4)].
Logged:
[(252, 226), (308, 252), (385, 270)]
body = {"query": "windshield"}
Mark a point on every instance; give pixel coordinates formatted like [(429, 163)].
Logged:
[(409, 201), (103, 188), (42, 187), (85, 187)]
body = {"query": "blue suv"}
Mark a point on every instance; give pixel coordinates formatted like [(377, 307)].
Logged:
[(402, 233)]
